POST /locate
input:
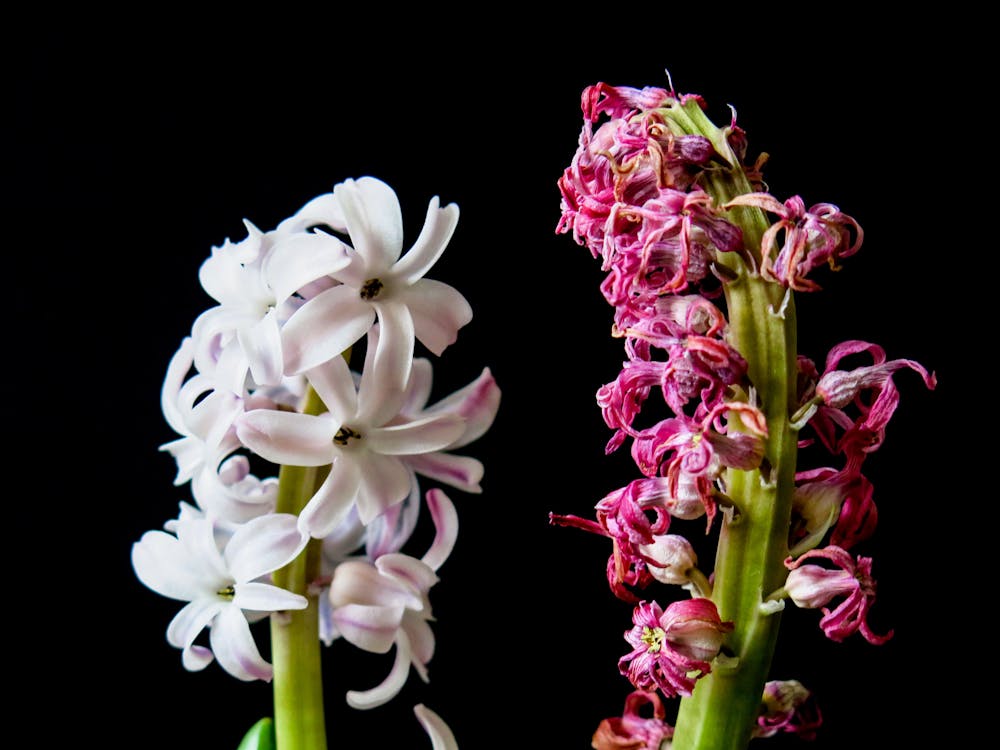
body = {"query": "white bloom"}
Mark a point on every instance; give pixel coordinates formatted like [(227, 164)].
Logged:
[(220, 585), (360, 436), (375, 283)]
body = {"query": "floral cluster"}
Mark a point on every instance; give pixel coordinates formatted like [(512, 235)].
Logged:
[(669, 207), (264, 378)]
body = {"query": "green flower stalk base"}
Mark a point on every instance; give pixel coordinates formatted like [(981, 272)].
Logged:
[(753, 543), (295, 645)]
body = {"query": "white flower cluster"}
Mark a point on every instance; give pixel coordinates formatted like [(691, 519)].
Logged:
[(264, 374)]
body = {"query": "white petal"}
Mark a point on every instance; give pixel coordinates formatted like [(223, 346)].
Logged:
[(374, 221), (177, 370), (421, 642), (368, 627), (263, 545), (332, 501), (418, 389), (263, 597), (191, 620), (383, 382), (477, 403), (420, 436), (324, 327), (302, 259), (438, 228), (440, 733), (197, 537), (321, 210), (360, 582), (446, 528), (393, 682), (438, 311), (288, 438), (161, 563), (334, 384), (235, 649), (391, 529), (261, 344), (462, 472), (384, 482)]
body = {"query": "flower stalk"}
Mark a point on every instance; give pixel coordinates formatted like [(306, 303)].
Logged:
[(753, 541), (295, 650)]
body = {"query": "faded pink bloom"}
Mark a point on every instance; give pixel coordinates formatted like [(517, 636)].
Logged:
[(811, 238), (787, 707), (826, 498), (812, 587), (838, 388), (632, 730), (673, 648), (619, 101)]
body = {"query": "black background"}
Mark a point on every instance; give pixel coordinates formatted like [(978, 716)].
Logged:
[(133, 152)]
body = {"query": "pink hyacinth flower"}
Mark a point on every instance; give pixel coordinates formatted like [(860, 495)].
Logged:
[(673, 648), (812, 587), (787, 706), (632, 730)]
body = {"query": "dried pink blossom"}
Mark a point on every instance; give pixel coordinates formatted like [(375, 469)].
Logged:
[(812, 587), (632, 730), (673, 648), (787, 706)]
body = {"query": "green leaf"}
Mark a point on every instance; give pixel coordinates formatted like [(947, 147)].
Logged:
[(260, 736)]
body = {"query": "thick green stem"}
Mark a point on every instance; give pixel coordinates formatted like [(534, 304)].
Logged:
[(753, 542), (295, 647)]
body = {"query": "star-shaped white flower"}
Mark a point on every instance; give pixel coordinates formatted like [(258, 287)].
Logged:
[(220, 585)]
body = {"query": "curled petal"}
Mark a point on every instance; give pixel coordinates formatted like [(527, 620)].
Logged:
[(477, 403), (360, 582), (446, 528), (439, 225), (371, 628), (191, 620), (462, 472), (440, 733), (235, 649), (374, 220), (393, 682), (302, 259), (384, 482)]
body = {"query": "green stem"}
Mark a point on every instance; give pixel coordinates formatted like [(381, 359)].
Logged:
[(753, 542), (295, 647)]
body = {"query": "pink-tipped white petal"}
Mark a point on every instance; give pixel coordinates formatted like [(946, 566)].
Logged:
[(262, 545), (334, 384), (463, 472), (477, 403), (324, 327), (383, 382), (368, 627), (196, 658), (420, 436), (235, 649), (422, 642), (408, 572), (391, 529), (374, 221), (393, 682), (302, 259), (263, 597), (332, 501), (288, 438), (261, 343), (442, 738), (439, 225), (438, 311), (446, 528)]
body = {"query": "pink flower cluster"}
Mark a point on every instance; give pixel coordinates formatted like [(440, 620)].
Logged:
[(639, 195)]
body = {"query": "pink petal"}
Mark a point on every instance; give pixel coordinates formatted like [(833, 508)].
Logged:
[(461, 472), (446, 528), (477, 403), (371, 628)]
